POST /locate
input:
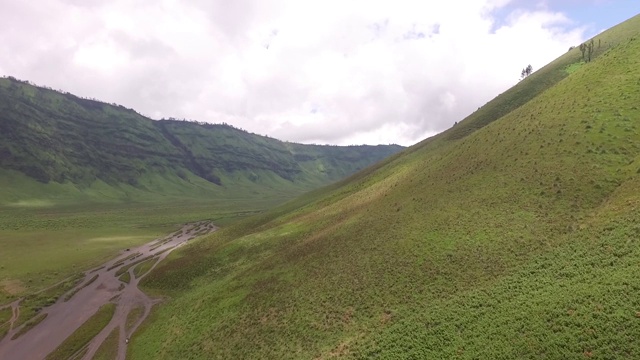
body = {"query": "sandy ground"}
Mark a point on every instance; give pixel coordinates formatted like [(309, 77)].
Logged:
[(65, 317)]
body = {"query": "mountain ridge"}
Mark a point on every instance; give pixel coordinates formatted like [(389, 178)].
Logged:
[(58, 137)]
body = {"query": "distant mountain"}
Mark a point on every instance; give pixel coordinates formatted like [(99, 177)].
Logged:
[(515, 234), (54, 137)]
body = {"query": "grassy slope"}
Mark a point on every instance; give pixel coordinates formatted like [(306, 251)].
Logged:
[(516, 240), (540, 81)]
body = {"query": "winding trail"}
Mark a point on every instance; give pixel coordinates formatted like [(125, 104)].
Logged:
[(65, 317)]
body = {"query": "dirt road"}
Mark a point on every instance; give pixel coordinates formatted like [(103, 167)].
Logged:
[(64, 317)]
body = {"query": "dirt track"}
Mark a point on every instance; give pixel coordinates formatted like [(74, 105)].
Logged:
[(63, 318)]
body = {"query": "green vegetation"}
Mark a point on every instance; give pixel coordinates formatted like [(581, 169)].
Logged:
[(5, 315), (79, 355), (539, 82), (73, 148), (143, 267), (109, 348), (133, 317), (81, 337), (4, 329), (125, 278), (574, 67), (29, 325), (512, 235)]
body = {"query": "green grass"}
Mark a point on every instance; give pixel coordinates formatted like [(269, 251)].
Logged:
[(572, 302), (29, 325), (127, 157), (81, 337), (109, 348), (5, 315), (133, 317), (143, 267), (574, 67), (4, 329), (511, 238), (126, 268), (125, 278), (79, 355), (539, 81)]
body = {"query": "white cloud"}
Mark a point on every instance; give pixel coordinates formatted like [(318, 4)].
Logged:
[(329, 72)]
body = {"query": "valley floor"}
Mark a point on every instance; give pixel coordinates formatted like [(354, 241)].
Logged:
[(59, 330)]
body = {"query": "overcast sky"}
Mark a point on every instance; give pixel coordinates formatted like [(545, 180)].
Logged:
[(331, 71)]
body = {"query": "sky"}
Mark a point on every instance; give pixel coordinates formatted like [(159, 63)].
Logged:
[(328, 72)]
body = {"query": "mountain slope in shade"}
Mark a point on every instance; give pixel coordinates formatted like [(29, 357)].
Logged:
[(55, 139)]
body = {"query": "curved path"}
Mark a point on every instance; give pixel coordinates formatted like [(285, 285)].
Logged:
[(65, 317)]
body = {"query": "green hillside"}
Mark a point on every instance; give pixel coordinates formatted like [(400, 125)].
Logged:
[(512, 235), (76, 150)]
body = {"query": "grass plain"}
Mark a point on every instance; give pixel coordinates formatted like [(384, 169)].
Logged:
[(512, 235), (45, 243)]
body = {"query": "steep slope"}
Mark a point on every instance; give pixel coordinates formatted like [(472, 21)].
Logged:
[(505, 237), (541, 80), (59, 138)]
